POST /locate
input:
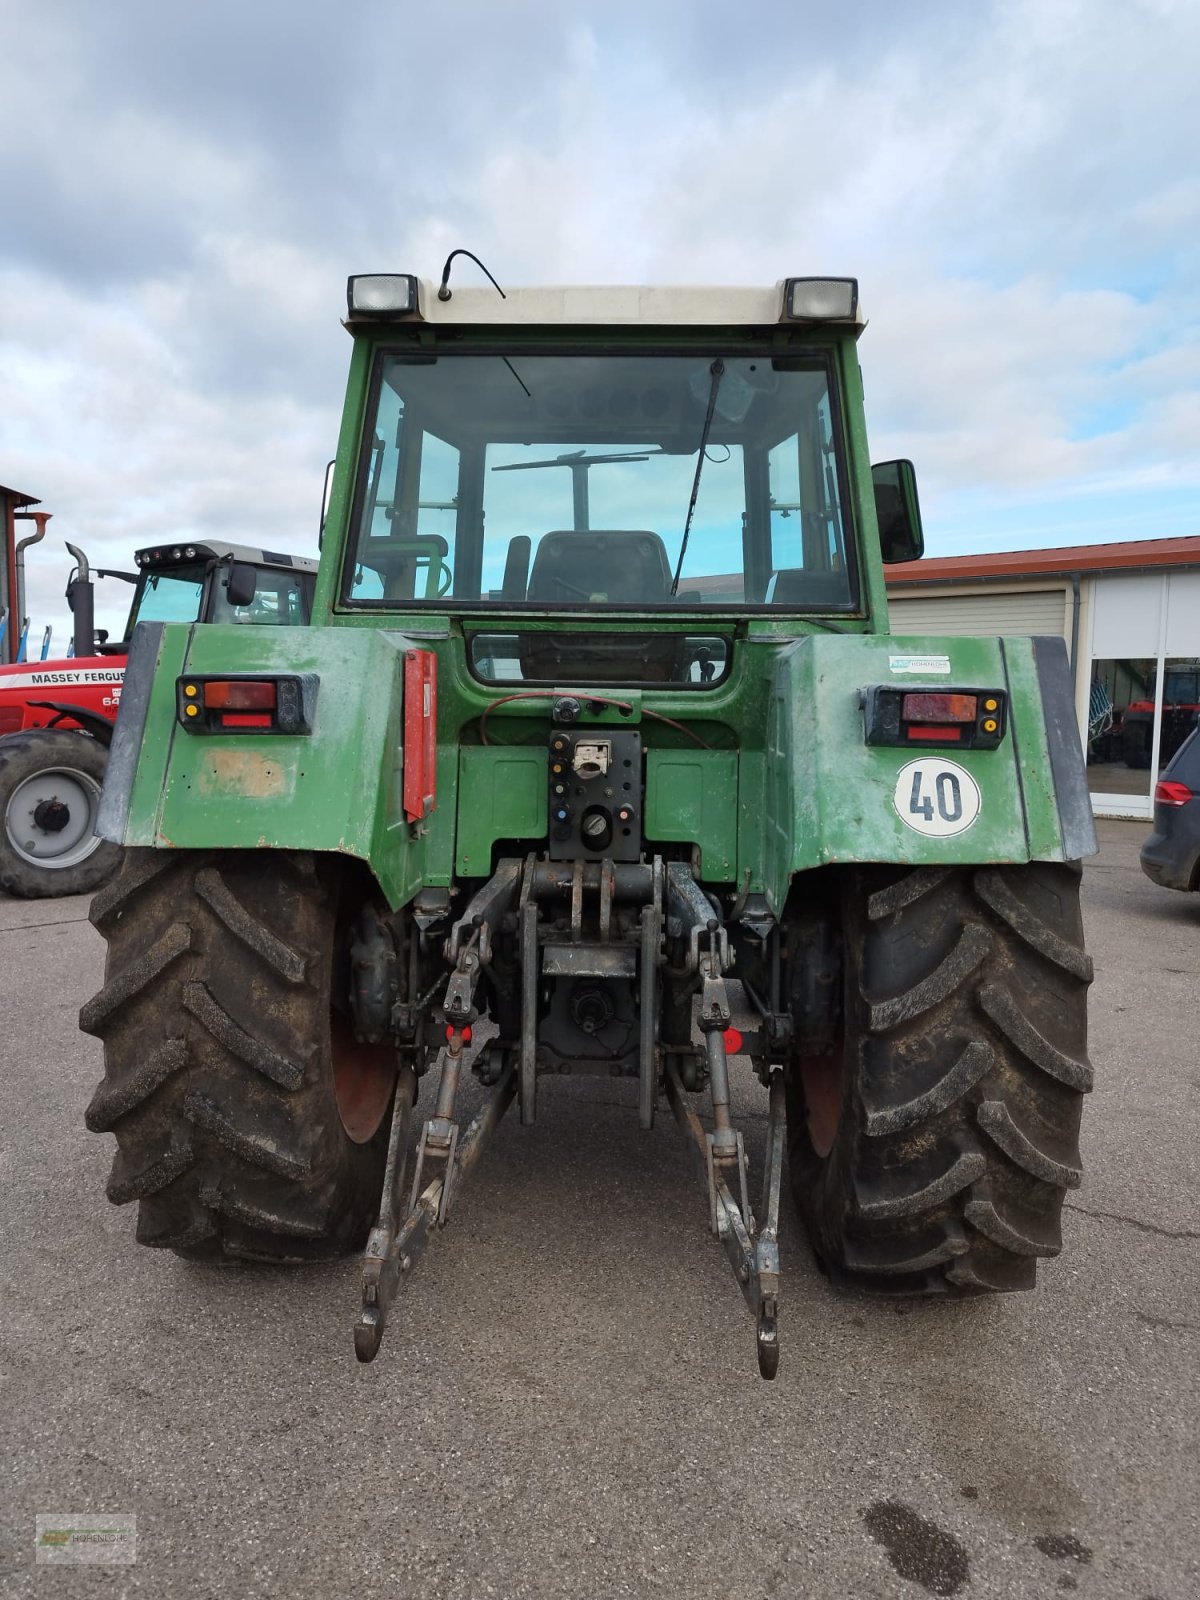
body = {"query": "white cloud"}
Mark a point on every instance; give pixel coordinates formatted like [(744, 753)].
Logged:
[(1013, 182)]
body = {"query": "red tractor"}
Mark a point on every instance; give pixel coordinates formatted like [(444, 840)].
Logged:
[(56, 716), (1180, 710)]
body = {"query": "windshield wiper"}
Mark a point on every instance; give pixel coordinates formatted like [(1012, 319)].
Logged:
[(718, 372)]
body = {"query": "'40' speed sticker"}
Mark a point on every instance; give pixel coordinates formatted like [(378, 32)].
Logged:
[(936, 797)]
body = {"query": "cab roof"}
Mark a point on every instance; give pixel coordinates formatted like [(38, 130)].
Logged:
[(173, 551), (606, 305)]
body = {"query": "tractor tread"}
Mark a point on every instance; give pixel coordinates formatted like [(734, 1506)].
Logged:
[(911, 887), (976, 1060), (212, 1015), (259, 1149), (973, 946), (96, 1014), (958, 1131), (999, 1005), (113, 1101), (994, 890), (1025, 1239), (964, 1172), (259, 1214), (997, 1122), (197, 1237), (221, 1052), (949, 1248), (127, 1182), (970, 1276), (139, 869), (288, 963)]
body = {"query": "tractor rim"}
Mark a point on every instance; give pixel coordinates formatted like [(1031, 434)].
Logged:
[(821, 1077), (50, 818), (363, 1078)]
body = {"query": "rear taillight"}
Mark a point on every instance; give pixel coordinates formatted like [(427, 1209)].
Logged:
[(1170, 793), (246, 705), (240, 694), (973, 719)]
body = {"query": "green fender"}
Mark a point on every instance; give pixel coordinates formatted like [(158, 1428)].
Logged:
[(796, 787)]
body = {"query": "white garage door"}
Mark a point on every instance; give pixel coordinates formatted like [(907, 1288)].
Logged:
[(1033, 612)]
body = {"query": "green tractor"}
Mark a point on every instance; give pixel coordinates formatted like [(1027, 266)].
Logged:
[(599, 758)]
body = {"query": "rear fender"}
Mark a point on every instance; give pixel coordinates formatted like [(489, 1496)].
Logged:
[(338, 789), (828, 797)]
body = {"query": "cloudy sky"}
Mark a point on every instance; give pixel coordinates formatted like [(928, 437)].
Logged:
[(1014, 182)]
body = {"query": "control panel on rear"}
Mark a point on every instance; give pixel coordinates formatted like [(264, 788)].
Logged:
[(595, 778)]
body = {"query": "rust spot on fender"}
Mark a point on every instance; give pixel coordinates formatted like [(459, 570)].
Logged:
[(246, 773)]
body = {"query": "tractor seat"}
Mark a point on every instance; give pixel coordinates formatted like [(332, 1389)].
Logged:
[(623, 565), (793, 586)]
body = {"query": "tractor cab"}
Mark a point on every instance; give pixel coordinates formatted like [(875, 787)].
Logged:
[(693, 458), (219, 582)]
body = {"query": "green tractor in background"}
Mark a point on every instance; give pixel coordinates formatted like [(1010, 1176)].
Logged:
[(597, 743)]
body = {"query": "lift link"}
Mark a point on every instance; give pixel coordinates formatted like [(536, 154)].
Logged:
[(724, 1146), (382, 1260), (390, 1254), (439, 1136), (444, 1158), (393, 1248), (755, 1260)]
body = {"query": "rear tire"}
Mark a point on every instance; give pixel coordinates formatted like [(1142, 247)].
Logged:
[(49, 796), (232, 1081), (931, 1153)]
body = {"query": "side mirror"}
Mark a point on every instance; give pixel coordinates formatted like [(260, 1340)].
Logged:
[(241, 584), (72, 586), (325, 499), (898, 511)]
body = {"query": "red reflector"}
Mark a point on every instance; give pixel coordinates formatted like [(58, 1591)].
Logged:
[(948, 735), (466, 1032), (10, 719), (1170, 793), (939, 707), (236, 694), (246, 719), (733, 1041)]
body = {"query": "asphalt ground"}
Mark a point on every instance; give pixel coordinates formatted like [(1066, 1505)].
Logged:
[(567, 1403)]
